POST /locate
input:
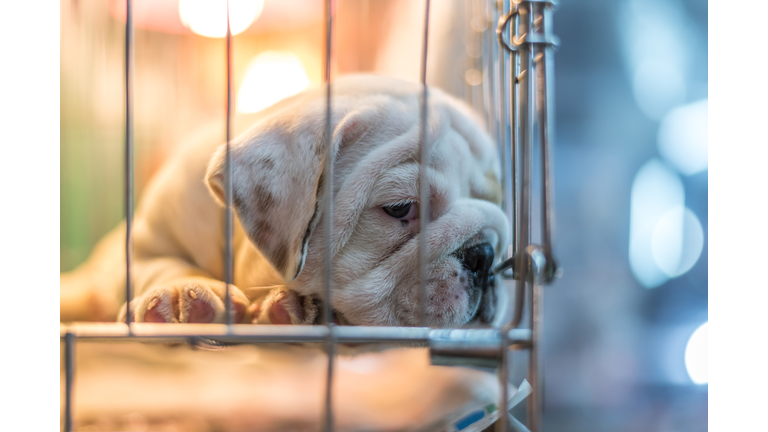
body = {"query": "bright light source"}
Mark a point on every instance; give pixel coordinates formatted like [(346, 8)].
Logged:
[(473, 77), (677, 241), (658, 86), (656, 38), (209, 17), (655, 191), (697, 355), (683, 137), (271, 77), (667, 240)]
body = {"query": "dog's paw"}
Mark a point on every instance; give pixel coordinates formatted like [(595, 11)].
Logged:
[(188, 301), (284, 306)]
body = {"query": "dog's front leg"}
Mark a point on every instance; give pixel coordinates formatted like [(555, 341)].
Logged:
[(188, 300), (285, 306)]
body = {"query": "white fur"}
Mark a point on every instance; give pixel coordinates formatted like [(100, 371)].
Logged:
[(277, 165)]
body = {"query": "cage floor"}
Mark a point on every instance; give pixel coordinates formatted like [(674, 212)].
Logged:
[(135, 386)]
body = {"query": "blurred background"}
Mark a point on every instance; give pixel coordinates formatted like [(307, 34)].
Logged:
[(625, 334)]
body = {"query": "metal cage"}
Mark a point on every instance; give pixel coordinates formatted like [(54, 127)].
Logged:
[(517, 101)]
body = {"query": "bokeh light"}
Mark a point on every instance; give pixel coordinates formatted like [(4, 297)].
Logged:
[(656, 190), (682, 137), (658, 86), (677, 241), (209, 17), (697, 355), (655, 35), (271, 77)]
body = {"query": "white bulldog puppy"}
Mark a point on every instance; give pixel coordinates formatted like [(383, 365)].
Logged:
[(278, 195)]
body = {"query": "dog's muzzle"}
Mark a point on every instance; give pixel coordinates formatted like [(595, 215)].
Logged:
[(477, 260)]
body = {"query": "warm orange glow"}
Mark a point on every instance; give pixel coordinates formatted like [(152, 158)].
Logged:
[(271, 76), (209, 17)]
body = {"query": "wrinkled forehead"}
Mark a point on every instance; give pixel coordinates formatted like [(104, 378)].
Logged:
[(462, 157), (454, 171), (466, 163), (460, 147), (379, 120)]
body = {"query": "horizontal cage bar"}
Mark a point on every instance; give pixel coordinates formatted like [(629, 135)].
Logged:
[(417, 336)]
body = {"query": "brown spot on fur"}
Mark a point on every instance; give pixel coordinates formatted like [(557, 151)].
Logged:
[(267, 164), (264, 199), (262, 227), (261, 232), (238, 201)]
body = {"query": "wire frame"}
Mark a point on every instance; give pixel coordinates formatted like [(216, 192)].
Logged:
[(228, 213), (328, 211), (423, 180), (517, 95), (129, 182)]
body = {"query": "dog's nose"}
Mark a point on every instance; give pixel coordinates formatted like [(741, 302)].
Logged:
[(478, 259)]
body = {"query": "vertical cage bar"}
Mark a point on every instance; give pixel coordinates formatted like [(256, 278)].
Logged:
[(496, 79), (538, 268), (498, 84), (69, 371), (534, 376), (502, 425), (525, 119), (514, 141), (509, 154), (228, 216), (423, 180), (328, 175), (328, 211), (487, 65), (477, 30), (547, 115), (128, 159), (507, 127), (527, 90), (466, 61), (542, 261)]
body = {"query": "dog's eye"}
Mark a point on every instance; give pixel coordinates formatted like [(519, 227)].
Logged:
[(402, 211)]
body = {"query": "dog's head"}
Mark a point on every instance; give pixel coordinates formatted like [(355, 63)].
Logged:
[(278, 194)]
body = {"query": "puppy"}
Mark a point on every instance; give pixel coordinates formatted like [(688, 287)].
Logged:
[(278, 195)]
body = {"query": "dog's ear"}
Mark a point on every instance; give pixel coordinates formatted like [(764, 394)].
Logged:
[(277, 182)]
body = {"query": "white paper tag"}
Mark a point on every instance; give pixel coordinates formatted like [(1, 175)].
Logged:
[(479, 414)]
